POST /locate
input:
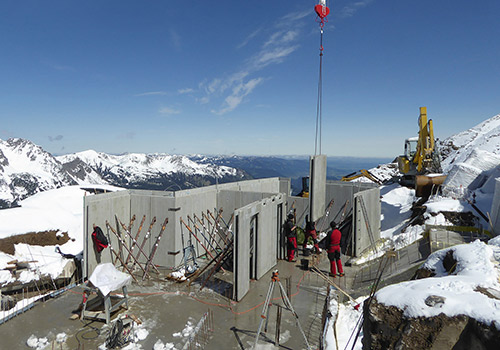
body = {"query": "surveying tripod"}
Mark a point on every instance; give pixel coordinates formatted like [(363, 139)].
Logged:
[(287, 306)]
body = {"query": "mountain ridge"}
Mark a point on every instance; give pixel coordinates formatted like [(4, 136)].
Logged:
[(26, 168)]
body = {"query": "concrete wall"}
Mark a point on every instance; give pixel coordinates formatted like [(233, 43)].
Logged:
[(366, 222), (495, 208), (258, 210), (317, 176), (97, 210), (300, 206), (342, 193), (171, 205), (257, 234)]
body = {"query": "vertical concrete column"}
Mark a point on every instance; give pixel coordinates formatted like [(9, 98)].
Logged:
[(495, 209), (317, 186)]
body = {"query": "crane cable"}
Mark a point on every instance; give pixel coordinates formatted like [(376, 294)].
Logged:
[(322, 10), (319, 105)]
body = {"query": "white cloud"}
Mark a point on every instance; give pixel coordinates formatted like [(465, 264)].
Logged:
[(277, 55), (293, 17), (169, 111), (275, 48), (351, 9), (151, 93), (248, 38), (238, 93), (203, 100), (213, 86), (175, 38), (185, 91), (281, 37)]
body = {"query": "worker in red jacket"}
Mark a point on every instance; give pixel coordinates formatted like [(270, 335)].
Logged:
[(333, 246), (291, 238), (310, 231)]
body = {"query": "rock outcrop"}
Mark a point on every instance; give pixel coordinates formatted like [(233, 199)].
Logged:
[(386, 327)]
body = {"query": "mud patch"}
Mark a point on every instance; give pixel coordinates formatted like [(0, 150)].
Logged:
[(43, 238)]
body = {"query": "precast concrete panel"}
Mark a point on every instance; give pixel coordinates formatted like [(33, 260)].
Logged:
[(241, 256), (342, 194), (366, 226), (270, 185), (317, 186), (268, 234), (229, 201), (256, 232), (188, 206), (285, 186), (174, 205), (97, 210), (155, 204), (299, 206), (495, 209)]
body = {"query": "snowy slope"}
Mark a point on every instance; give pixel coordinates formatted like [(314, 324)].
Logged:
[(137, 167), (57, 209), (484, 136), (476, 267), (26, 169)]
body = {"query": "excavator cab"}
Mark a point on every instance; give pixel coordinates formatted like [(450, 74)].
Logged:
[(421, 158), (405, 162), (305, 187)]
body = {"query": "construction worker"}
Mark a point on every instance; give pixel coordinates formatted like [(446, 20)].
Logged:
[(291, 238), (333, 246), (310, 231)]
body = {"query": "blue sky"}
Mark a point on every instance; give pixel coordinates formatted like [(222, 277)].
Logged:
[(240, 77)]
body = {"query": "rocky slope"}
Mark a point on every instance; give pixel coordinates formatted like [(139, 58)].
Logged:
[(453, 303), (26, 169), (154, 171), (457, 148)]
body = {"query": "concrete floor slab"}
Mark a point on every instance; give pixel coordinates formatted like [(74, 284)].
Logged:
[(166, 307)]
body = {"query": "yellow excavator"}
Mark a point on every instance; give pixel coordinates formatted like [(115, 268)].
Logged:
[(362, 173), (420, 164), (305, 187)]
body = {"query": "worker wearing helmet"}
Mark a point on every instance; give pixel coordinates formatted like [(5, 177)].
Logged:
[(310, 231), (291, 237), (333, 246)]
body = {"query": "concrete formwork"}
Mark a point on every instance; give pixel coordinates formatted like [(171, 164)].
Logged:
[(97, 210), (171, 205), (258, 212), (300, 206), (495, 209), (160, 205), (257, 232), (342, 194)]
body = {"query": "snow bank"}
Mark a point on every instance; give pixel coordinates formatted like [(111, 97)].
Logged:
[(60, 210), (476, 267), (471, 174)]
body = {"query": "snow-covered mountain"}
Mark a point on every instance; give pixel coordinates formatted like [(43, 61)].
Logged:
[(457, 148), (26, 169), (156, 171)]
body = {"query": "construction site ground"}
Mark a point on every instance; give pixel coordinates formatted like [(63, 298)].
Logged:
[(165, 308)]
